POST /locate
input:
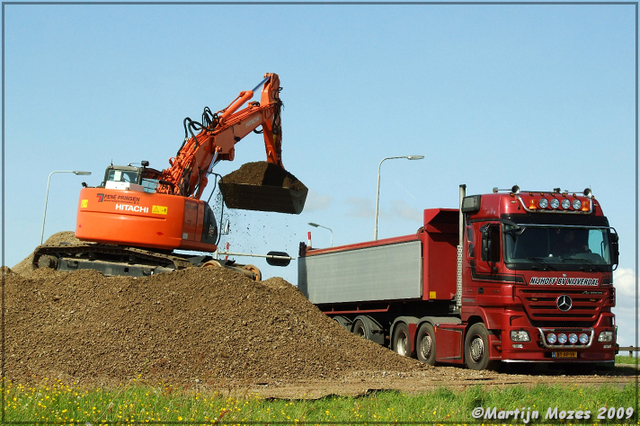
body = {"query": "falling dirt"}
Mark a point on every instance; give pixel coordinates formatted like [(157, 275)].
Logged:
[(206, 326)]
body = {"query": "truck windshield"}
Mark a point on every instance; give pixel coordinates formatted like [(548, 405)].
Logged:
[(556, 245)]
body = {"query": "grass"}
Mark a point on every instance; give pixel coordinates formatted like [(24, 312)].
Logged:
[(626, 359), (53, 402)]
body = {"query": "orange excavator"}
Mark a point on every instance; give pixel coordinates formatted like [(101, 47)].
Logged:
[(135, 219)]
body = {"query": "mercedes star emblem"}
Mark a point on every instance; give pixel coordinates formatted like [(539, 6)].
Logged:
[(564, 303)]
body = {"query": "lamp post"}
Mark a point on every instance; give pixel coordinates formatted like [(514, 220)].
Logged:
[(315, 225), (46, 198), (408, 157)]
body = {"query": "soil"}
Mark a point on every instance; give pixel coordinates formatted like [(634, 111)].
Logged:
[(263, 186), (211, 328), (264, 173)]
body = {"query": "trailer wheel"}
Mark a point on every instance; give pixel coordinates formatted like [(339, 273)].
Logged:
[(360, 328), (401, 343), (426, 344), (476, 348), (342, 321)]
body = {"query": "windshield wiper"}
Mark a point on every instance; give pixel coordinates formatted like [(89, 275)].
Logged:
[(593, 266), (545, 265)]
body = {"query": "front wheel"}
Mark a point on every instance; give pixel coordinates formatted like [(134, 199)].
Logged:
[(476, 349)]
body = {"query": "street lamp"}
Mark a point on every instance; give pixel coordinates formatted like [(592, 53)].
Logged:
[(408, 157), (46, 198), (315, 225)]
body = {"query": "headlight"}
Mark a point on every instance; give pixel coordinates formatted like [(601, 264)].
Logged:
[(584, 339), (551, 338), (555, 203), (562, 338), (566, 203), (573, 338), (605, 336), (543, 203), (577, 204), (520, 336)]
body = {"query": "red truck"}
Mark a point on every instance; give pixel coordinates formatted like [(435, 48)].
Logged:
[(510, 277)]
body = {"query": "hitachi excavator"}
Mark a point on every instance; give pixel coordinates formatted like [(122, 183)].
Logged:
[(135, 219)]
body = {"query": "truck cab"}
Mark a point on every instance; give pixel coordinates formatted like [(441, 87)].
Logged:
[(537, 273)]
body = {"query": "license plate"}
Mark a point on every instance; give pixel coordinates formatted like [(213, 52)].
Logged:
[(564, 354)]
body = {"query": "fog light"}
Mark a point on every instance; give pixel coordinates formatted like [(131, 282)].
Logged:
[(551, 339), (605, 336), (573, 338), (520, 336), (584, 339), (517, 345), (562, 338)]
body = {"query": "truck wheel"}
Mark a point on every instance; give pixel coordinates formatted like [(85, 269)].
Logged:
[(476, 348), (401, 343), (426, 344), (360, 329), (342, 321)]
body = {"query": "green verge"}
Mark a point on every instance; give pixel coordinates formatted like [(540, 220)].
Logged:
[(626, 359), (52, 402)]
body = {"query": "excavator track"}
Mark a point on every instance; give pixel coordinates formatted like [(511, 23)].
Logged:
[(114, 260)]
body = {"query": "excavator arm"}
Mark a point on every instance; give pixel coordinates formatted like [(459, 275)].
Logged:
[(187, 174)]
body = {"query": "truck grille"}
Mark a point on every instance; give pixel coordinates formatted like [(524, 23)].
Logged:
[(582, 309)]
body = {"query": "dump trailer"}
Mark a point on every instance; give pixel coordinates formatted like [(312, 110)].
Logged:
[(510, 277)]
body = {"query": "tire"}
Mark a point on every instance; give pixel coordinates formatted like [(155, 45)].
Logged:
[(359, 328), (401, 341), (345, 323), (426, 344), (476, 349)]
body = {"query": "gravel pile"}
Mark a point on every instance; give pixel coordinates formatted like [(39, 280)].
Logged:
[(198, 324)]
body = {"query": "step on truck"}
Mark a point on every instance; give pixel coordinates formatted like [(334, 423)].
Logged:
[(510, 277)]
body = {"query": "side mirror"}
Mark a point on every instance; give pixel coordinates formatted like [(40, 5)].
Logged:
[(490, 248), (615, 251), (486, 243)]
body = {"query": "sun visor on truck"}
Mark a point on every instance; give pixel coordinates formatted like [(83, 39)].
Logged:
[(471, 204)]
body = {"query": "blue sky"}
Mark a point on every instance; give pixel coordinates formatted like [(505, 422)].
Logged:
[(542, 96)]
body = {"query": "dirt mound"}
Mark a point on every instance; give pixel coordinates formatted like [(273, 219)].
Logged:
[(205, 324)]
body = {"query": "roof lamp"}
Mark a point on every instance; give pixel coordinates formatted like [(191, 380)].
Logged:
[(543, 203)]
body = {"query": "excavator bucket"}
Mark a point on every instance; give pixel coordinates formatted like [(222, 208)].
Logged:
[(264, 187)]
